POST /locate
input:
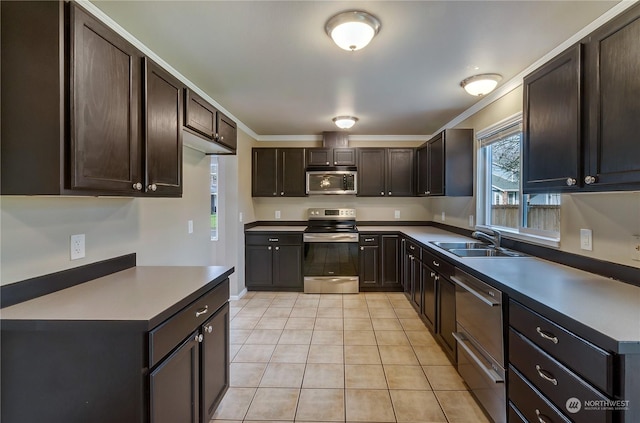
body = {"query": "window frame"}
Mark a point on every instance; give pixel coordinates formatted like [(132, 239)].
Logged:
[(217, 194), (485, 138)]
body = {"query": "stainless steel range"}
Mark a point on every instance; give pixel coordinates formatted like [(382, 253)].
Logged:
[(331, 252)]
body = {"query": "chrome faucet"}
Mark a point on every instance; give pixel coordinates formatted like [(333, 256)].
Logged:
[(494, 237)]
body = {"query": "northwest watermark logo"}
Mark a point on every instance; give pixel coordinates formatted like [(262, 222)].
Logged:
[(573, 405)]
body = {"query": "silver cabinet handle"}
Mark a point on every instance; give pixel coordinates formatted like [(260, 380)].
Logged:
[(202, 311), (369, 239), (437, 278), (152, 187), (361, 248), (335, 163), (282, 193), (274, 239), (546, 336), (381, 192), (327, 163), (389, 192), (277, 248), (269, 247), (412, 247), (137, 186), (209, 328), (540, 416), (433, 274), (198, 338), (571, 181), (488, 371), (435, 263), (589, 179), (488, 301), (222, 138), (543, 374), (275, 193)]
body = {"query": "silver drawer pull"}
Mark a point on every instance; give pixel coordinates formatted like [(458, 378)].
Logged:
[(368, 239), (202, 311), (540, 416), (546, 336), (436, 264), (198, 338), (209, 328), (543, 374), (273, 240)]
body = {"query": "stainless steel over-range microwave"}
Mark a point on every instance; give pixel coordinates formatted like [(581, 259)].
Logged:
[(332, 182)]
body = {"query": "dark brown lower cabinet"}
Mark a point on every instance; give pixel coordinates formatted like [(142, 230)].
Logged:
[(369, 262), (429, 286), (446, 319), (380, 262), (273, 261), (214, 362), (174, 385), (390, 262)]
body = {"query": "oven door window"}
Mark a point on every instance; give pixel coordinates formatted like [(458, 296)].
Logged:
[(331, 259)]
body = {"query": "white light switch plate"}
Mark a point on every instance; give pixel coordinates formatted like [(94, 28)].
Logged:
[(277, 214), (190, 226), (396, 214), (635, 248), (586, 239)]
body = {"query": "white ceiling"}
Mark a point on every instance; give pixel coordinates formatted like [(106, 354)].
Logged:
[(272, 66)]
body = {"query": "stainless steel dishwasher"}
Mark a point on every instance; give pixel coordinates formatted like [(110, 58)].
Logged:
[(480, 342)]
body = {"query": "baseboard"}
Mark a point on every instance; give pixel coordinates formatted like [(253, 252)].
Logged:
[(240, 295)]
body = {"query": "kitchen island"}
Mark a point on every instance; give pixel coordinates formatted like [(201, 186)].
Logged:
[(145, 344)]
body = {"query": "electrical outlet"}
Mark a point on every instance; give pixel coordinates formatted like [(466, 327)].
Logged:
[(471, 221), (277, 214), (240, 217), (396, 214), (586, 239), (76, 247), (443, 217), (190, 226), (635, 248)]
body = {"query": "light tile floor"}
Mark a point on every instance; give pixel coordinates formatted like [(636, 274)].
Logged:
[(331, 358)]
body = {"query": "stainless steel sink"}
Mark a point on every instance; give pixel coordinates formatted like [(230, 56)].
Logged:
[(483, 252), (460, 245)]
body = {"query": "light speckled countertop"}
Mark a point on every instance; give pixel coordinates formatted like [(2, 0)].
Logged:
[(144, 294), (602, 310)]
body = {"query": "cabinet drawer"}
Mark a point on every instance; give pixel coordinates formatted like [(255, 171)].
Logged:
[(436, 263), (529, 402), (274, 238), (553, 379), (514, 415), (589, 361), (369, 239), (168, 335), (413, 249)]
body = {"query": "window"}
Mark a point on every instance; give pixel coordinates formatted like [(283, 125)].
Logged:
[(501, 203), (214, 198)]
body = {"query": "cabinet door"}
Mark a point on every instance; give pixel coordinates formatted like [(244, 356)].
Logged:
[(227, 134), (264, 174), (199, 115), (390, 262), (369, 263), (371, 172), (436, 166), (400, 172), (214, 362), (344, 156), (174, 386), (416, 283), (259, 265), (292, 172), (613, 63), (105, 107), (551, 148), (429, 283), (422, 166), (287, 266), (447, 316), (319, 157), (163, 131)]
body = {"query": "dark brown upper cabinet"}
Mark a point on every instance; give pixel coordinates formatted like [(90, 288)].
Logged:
[(580, 116), (320, 157), (612, 66), (105, 107), (209, 123), (81, 113), (551, 125), (162, 132), (384, 172), (278, 172), (445, 164)]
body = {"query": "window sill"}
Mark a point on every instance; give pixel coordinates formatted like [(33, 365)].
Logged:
[(525, 237)]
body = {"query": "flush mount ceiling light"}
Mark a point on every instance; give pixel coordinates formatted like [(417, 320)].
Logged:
[(481, 84), (345, 122), (352, 30)]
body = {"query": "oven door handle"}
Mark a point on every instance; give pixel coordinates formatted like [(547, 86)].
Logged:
[(490, 373), (488, 301), (330, 238)]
